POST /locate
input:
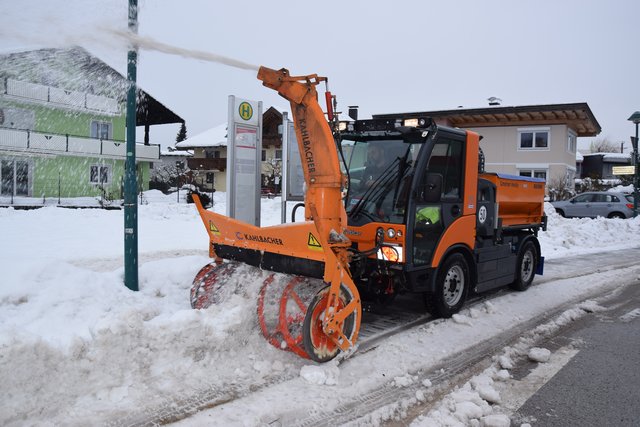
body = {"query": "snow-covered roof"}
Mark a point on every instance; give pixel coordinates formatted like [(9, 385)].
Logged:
[(176, 153), (612, 157), (214, 137), (579, 156)]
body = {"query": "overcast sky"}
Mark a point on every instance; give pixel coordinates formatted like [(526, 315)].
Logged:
[(385, 56)]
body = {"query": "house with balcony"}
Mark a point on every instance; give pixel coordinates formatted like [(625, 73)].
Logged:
[(208, 166), (532, 140), (63, 126)]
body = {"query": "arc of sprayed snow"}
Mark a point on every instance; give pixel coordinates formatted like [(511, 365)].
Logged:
[(151, 44)]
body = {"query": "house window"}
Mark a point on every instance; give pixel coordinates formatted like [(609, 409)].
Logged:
[(279, 154), (14, 178), (571, 142), (212, 154), (210, 178), (534, 173), (100, 130), (264, 155), (100, 174), (533, 139)]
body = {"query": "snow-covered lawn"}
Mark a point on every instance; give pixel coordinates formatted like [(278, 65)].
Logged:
[(77, 347)]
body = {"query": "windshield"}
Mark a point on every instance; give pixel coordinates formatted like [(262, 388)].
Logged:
[(379, 171)]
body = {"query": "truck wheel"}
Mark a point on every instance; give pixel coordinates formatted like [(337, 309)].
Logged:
[(451, 287), (525, 267)]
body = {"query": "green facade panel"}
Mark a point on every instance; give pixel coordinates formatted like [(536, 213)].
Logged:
[(68, 122), (68, 176)]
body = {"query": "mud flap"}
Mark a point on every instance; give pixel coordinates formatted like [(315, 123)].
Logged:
[(540, 267)]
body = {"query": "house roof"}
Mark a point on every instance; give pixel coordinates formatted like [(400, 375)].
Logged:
[(214, 137), (77, 70), (578, 116), (175, 153), (611, 157)]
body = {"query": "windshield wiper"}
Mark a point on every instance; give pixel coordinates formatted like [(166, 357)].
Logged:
[(378, 187)]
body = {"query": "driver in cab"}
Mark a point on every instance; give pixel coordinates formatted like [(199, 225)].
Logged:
[(375, 165)]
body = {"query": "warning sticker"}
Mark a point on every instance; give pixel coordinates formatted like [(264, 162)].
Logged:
[(213, 229), (313, 243)]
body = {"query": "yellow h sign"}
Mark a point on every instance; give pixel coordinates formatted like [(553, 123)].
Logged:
[(245, 110)]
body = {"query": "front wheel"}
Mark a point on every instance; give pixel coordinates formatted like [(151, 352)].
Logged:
[(451, 287), (525, 267), (317, 344)]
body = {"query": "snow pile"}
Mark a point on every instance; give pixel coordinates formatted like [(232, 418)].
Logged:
[(585, 235), (470, 405), (327, 374), (539, 355)]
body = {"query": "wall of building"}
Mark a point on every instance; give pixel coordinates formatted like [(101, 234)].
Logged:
[(503, 154), (65, 121)]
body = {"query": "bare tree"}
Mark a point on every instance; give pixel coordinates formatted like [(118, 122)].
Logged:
[(604, 146), (560, 188)]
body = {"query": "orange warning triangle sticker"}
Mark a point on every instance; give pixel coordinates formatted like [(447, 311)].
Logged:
[(313, 242), (213, 227)]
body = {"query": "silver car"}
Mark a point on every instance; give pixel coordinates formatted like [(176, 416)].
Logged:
[(606, 204)]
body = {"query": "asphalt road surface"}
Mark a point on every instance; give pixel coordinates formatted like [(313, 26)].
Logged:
[(600, 385)]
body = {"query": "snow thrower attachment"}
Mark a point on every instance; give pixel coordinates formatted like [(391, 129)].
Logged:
[(314, 309)]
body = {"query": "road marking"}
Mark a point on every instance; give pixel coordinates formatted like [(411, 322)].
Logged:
[(516, 392)]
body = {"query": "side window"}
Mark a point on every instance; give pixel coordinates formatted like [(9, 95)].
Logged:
[(533, 139), (100, 130), (447, 160), (583, 198)]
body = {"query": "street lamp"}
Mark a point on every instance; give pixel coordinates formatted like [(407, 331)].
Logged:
[(635, 160)]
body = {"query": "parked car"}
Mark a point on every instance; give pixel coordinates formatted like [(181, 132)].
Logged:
[(607, 204)]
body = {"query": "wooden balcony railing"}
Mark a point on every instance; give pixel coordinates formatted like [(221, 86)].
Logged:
[(219, 164)]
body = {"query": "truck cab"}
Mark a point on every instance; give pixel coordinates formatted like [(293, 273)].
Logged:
[(417, 191)]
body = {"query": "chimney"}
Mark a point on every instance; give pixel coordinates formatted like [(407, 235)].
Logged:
[(353, 112)]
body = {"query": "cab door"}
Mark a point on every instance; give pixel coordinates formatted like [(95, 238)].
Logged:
[(438, 195)]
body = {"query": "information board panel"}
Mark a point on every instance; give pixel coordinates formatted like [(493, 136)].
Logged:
[(244, 149), (295, 175)]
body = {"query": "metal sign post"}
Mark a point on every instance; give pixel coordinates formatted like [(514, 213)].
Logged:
[(244, 155), (130, 178), (292, 174)]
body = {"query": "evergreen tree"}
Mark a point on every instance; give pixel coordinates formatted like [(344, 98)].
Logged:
[(182, 133)]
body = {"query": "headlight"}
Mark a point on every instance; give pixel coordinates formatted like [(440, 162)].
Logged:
[(391, 233), (411, 122)]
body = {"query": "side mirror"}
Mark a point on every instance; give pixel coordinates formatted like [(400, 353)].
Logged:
[(432, 188)]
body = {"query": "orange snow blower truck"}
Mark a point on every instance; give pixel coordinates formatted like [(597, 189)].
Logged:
[(391, 207)]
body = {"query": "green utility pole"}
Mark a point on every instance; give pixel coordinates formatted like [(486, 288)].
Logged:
[(130, 178), (635, 161)]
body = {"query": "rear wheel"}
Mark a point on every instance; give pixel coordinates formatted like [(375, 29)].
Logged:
[(526, 266), (452, 286), (617, 215), (317, 344)]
